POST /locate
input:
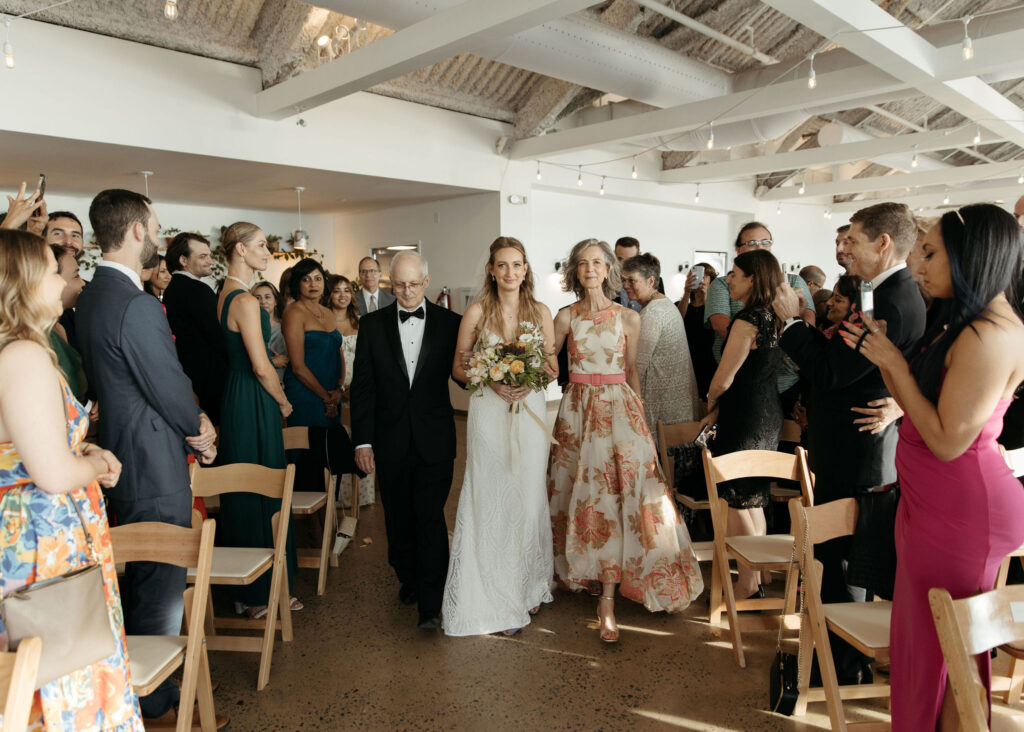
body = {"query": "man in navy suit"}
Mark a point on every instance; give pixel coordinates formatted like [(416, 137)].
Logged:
[(149, 418)]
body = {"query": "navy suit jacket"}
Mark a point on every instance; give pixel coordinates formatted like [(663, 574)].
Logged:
[(146, 404)]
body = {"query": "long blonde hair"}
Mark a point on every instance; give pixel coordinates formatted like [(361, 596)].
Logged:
[(23, 313), (529, 308)]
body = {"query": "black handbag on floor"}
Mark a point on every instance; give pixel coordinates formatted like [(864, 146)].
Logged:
[(784, 674)]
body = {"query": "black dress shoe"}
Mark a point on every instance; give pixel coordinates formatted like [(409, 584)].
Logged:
[(429, 623), (407, 595)]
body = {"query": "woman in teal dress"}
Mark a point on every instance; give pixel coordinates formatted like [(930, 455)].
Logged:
[(315, 375), (253, 407)]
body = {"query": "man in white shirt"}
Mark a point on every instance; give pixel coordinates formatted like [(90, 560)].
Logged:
[(403, 426), (370, 297)]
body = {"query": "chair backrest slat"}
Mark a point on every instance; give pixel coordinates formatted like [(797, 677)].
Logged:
[(296, 438), (151, 541), (678, 433), (239, 478)]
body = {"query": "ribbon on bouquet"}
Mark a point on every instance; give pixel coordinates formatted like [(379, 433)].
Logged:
[(513, 410)]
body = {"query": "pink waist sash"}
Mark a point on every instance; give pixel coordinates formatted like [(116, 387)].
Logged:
[(597, 379)]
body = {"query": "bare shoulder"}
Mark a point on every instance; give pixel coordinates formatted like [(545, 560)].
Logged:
[(23, 358), (564, 315), (473, 313), (545, 312), (630, 317)]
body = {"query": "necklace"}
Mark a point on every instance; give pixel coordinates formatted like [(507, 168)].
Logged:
[(236, 279), (315, 313)]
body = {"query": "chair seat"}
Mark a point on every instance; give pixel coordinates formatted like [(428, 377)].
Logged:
[(304, 502), (1013, 649), (705, 550), (152, 657), (237, 565), (693, 503), (771, 549), (867, 623)]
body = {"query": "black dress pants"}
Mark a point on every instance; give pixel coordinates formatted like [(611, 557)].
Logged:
[(151, 592), (413, 494)]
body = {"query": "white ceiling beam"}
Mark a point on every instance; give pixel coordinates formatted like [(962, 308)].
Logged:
[(833, 87), (1005, 189), (828, 155), (896, 182), (443, 35), (867, 30)]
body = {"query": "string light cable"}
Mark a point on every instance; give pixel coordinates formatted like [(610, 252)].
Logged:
[(8, 19)]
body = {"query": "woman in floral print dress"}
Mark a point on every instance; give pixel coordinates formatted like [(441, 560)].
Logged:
[(614, 521), (44, 465)]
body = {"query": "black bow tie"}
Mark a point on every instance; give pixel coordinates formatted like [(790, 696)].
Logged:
[(404, 315)]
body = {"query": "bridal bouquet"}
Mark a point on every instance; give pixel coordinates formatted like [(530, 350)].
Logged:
[(513, 364)]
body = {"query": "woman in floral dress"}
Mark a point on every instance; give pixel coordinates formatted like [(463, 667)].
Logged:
[(44, 465), (613, 519)]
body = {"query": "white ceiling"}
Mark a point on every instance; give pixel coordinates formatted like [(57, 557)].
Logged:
[(80, 167)]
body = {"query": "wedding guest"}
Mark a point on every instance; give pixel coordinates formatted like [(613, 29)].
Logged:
[(500, 568), (25, 208), (316, 371), (626, 247), (402, 415), (953, 480), (68, 359), (273, 304), (130, 361), (49, 478), (699, 339), (254, 404), (820, 299), (158, 279), (743, 398), (843, 256), (192, 313), (601, 518), (845, 300), (814, 277), (284, 286), (668, 388), (64, 229), (370, 297)]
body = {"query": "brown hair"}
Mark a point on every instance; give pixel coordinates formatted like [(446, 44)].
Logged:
[(23, 264), (181, 246), (571, 280), (240, 232), (529, 308), (764, 268), (889, 218), (328, 301), (278, 300), (113, 212)]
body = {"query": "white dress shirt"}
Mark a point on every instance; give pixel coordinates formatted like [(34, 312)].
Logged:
[(411, 334), (126, 271), (370, 300), (188, 274), (877, 281)]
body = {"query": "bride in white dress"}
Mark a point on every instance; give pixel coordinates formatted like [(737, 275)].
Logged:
[(501, 564)]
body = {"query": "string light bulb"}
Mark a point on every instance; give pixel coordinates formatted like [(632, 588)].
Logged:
[(696, 196), (579, 178), (711, 135), (171, 10), (8, 48), (601, 192), (1020, 178), (778, 209), (803, 185), (633, 174), (538, 170), (913, 162), (812, 78), (323, 40), (977, 134), (828, 213), (967, 47), (945, 200)]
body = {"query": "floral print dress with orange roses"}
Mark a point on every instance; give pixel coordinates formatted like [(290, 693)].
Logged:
[(41, 537), (613, 519)]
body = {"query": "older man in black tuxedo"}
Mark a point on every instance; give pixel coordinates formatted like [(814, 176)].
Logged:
[(403, 426)]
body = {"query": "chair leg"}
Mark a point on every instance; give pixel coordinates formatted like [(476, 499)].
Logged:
[(715, 598), (274, 607), (204, 694), (1016, 681), (285, 602), (792, 577), (805, 656), (355, 496), (330, 528), (730, 607)]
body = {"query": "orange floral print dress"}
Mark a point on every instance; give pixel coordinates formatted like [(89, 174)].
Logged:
[(613, 518), (41, 537)]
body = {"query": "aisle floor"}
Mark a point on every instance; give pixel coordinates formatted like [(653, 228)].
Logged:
[(358, 661)]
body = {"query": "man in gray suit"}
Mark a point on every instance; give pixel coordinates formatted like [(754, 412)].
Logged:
[(370, 297), (149, 418)]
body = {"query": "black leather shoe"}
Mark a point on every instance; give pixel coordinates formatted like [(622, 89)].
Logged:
[(429, 623), (407, 595)]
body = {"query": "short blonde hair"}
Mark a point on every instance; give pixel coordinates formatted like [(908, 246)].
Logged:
[(570, 279), (23, 264)]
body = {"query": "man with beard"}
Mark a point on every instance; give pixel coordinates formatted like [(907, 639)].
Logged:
[(149, 419)]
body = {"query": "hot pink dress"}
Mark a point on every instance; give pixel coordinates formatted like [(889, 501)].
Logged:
[(955, 522)]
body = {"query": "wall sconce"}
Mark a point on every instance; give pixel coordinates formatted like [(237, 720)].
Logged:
[(558, 266)]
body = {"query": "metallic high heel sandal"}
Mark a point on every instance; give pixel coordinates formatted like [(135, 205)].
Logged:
[(608, 636)]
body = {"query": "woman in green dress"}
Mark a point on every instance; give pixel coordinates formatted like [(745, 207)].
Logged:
[(254, 405)]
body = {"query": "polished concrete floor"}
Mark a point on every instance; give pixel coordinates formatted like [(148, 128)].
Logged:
[(359, 662)]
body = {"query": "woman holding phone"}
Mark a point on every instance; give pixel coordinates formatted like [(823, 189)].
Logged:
[(960, 508)]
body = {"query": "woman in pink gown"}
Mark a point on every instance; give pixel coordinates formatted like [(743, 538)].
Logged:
[(961, 510)]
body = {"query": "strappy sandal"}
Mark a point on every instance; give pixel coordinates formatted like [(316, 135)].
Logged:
[(608, 636), (534, 610), (510, 632), (295, 604)]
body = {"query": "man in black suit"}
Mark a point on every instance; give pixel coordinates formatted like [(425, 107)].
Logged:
[(192, 314), (402, 416), (149, 419), (846, 461)]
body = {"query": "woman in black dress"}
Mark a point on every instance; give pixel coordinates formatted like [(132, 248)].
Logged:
[(743, 399)]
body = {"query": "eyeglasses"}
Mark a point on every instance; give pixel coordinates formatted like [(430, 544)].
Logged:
[(762, 243), (407, 285), (369, 271)]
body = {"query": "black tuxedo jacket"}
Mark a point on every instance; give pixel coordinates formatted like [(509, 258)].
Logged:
[(145, 399), (395, 418), (192, 314), (841, 378)]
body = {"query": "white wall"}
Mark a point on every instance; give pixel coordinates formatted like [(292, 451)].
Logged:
[(804, 236)]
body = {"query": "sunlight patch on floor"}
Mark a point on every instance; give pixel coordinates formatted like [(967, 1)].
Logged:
[(683, 722)]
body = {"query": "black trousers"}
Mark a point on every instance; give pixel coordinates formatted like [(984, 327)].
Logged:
[(151, 592), (413, 494)]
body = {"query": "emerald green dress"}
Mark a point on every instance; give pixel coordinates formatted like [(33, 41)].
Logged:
[(250, 432)]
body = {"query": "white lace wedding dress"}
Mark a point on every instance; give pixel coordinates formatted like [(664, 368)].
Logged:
[(501, 562)]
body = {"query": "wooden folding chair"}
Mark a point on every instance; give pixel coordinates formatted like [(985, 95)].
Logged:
[(679, 434), (757, 553), (864, 625), (152, 658), (305, 503), (791, 433), (243, 565), (18, 683)]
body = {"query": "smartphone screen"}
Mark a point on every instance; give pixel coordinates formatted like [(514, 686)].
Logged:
[(41, 187), (867, 298)]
